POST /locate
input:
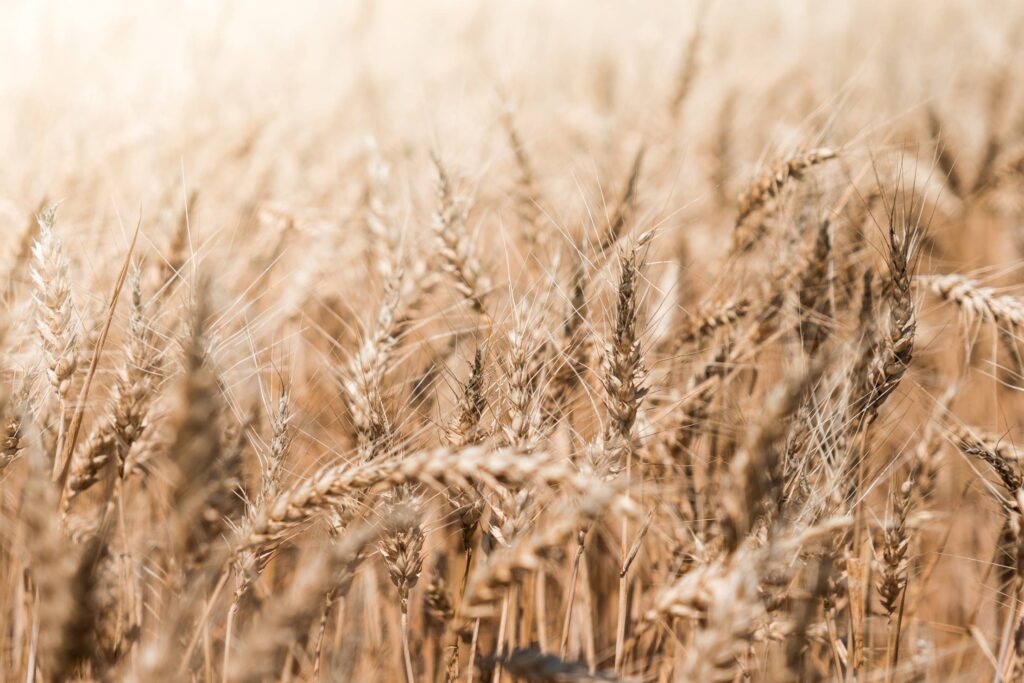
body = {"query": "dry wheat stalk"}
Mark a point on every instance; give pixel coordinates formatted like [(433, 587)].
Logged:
[(65, 580)]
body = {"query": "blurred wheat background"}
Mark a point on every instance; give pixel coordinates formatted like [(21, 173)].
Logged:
[(523, 341)]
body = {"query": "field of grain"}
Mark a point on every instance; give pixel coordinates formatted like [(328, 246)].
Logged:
[(531, 341)]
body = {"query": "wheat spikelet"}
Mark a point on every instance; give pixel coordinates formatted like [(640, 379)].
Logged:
[(977, 302), (99, 449), (623, 366), (11, 446), (524, 380), (571, 349), (249, 563), (997, 454), (892, 354), (280, 442), (456, 247), (892, 579), (710, 320), (132, 392), (363, 381), (460, 468), (815, 302), (773, 180), (466, 429), (54, 308), (438, 608), (402, 551)]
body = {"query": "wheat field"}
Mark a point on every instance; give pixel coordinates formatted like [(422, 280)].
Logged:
[(526, 341)]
